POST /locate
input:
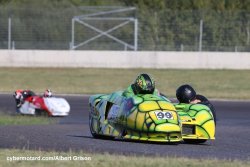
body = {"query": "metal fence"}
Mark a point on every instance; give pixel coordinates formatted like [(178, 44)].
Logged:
[(158, 31)]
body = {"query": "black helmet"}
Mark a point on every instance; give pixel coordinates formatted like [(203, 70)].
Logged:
[(185, 94), (144, 84)]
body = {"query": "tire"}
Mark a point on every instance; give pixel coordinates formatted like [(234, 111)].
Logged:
[(195, 141), (94, 133), (41, 113)]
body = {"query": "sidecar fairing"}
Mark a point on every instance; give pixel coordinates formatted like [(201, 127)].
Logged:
[(198, 123), (141, 117)]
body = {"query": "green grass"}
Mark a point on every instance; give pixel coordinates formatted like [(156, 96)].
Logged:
[(229, 84), (6, 119), (107, 160)]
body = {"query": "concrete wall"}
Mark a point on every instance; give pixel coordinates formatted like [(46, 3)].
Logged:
[(124, 59)]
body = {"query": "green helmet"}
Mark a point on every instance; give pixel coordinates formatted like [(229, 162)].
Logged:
[(144, 84)]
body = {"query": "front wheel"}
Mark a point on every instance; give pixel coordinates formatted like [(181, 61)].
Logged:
[(39, 112), (195, 141), (92, 131), (94, 125)]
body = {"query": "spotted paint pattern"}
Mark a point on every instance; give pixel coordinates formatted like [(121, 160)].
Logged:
[(201, 117), (136, 118)]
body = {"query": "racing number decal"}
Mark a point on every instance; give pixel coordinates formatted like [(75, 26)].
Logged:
[(163, 115)]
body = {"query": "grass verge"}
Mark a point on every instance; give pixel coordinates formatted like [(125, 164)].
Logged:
[(230, 84), (6, 119), (41, 158)]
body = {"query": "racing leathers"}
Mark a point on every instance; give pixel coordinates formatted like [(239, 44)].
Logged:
[(203, 100), (21, 95)]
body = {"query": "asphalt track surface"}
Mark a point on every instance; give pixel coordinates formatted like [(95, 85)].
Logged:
[(72, 133)]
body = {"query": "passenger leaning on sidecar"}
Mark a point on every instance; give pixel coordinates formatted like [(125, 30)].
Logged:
[(187, 94), (21, 95), (143, 84)]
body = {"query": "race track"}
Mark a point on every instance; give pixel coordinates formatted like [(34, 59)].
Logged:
[(72, 133)]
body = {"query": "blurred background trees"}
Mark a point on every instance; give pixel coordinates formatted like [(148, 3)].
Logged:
[(163, 24)]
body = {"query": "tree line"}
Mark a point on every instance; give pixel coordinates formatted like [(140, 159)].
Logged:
[(163, 24)]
